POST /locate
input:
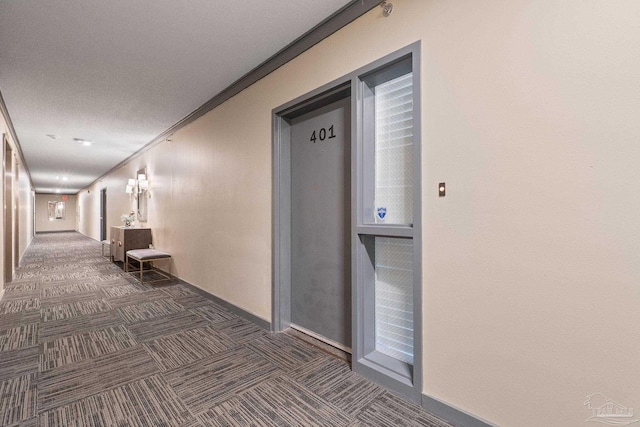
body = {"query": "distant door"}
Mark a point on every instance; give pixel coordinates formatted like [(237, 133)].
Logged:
[(33, 214), (320, 222), (8, 210), (16, 220), (103, 214)]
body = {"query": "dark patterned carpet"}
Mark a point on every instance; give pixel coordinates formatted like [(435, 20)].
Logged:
[(84, 344)]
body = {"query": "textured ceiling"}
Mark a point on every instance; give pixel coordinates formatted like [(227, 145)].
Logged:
[(120, 72)]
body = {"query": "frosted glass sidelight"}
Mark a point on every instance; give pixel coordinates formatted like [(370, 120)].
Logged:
[(394, 297), (394, 151)]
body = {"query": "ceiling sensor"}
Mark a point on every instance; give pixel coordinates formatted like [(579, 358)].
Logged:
[(387, 8)]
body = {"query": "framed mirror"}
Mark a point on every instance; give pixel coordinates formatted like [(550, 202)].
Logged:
[(55, 210), (142, 192)]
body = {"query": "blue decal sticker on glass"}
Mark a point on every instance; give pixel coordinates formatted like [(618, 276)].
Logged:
[(382, 212)]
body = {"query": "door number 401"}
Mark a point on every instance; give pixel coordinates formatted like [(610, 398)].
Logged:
[(322, 134)]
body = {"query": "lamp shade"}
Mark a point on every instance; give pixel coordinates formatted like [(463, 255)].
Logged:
[(143, 184), (129, 189), (131, 183)]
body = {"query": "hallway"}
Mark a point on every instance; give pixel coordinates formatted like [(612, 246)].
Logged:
[(84, 344)]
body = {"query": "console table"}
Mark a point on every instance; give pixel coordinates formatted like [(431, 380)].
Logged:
[(124, 239)]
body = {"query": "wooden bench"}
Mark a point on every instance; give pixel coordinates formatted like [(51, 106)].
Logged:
[(147, 255)]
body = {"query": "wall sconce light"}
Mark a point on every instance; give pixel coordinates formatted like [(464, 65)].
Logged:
[(136, 187), (143, 184), (130, 186)]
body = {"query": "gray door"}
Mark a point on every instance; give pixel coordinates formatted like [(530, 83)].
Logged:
[(8, 211), (320, 222), (103, 214)]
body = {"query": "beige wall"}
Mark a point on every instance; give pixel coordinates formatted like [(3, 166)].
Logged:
[(531, 263), (25, 209), (44, 224)]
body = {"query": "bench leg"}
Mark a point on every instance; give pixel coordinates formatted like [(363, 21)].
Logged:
[(151, 266)]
